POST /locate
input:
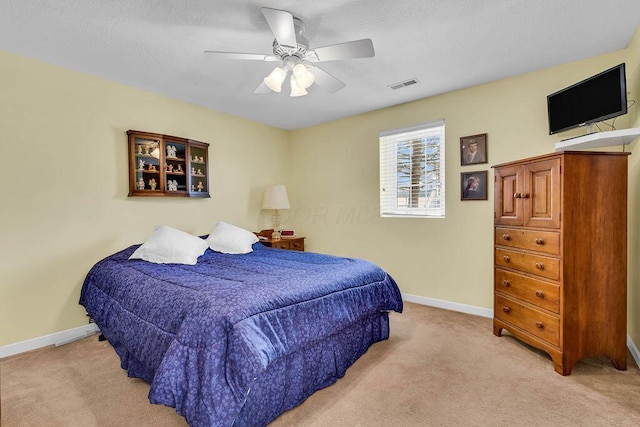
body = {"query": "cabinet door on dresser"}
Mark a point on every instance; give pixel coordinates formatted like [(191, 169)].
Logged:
[(508, 181), (541, 194)]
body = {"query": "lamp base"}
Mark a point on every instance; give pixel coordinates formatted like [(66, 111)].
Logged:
[(276, 235)]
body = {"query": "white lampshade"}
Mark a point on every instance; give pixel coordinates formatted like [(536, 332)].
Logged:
[(304, 77), (275, 79), (295, 89), (275, 197)]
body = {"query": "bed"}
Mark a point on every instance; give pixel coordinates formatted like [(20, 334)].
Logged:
[(239, 339)]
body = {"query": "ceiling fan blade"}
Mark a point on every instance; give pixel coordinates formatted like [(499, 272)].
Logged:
[(262, 88), (243, 56), (281, 24), (326, 80), (354, 49)]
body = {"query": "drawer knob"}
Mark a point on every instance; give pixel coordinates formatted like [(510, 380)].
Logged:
[(539, 266), (539, 325), (505, 236), (525, 195), (539, 294), (539, 241), (506, 258), (506, 283), (517, 195), (506, 309)]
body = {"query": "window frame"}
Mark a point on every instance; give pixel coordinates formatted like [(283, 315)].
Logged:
[(389, 141)]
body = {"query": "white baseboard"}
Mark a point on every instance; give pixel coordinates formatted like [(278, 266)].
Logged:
[(453, 306), (634, 350), (57, 339), (486, 312)]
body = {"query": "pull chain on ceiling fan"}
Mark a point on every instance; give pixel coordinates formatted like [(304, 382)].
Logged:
[(292, 48)]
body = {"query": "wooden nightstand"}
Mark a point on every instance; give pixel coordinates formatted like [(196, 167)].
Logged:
[(287, 243)]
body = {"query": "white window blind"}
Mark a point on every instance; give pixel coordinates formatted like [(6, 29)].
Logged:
[(412, 171)]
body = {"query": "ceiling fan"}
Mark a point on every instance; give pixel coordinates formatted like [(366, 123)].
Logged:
[(292, 48)]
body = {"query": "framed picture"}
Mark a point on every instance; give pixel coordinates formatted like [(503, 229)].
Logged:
[(473, 185), (473, 149)]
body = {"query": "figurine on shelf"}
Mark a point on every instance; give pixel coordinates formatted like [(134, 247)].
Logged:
[(193, 188), (195, 159), (200, 186), (201, 159), (140, 164), (199, 172), (173, 185), (171, 150), (169, 168), (152, 183), (139, 149), (193, 171), (146, 149), (179, 169), (152, 167), (140, 184)]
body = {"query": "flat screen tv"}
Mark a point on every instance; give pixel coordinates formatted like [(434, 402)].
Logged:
[(598, 98)]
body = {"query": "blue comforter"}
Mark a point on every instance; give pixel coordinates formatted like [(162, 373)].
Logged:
[(202, 334)]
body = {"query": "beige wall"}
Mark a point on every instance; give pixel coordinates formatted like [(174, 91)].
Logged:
[(64, 202), (633, 288), (335, 174)]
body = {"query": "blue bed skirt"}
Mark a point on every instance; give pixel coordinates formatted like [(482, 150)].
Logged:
[(282, 388)]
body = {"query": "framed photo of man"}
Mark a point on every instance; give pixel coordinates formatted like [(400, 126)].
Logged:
[(473, 149), (473, 185)]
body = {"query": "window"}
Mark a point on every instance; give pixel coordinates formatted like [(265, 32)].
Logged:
[(412, 171)]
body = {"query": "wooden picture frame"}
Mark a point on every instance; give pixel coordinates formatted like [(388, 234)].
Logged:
[(473, 185), (473, 149)]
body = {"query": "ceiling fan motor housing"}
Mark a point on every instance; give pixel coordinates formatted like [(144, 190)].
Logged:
[(301, 50)]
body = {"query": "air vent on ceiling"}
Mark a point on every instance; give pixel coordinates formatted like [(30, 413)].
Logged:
[(404, 84)]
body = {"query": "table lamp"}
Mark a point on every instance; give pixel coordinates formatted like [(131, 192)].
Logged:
[(275, 197)]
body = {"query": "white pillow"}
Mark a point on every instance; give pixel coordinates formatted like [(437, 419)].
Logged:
[(170, 246), (229, 239)]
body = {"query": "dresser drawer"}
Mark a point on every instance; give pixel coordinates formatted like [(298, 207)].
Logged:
[(539, 265), (538, 292), (540, 241), (296, 245), (535, 322), (280, 244), (287, 243)]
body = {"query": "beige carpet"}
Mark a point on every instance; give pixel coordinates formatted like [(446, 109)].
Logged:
[(439, 368)]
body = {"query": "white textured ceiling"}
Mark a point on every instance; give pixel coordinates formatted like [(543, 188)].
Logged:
[(158, 45)]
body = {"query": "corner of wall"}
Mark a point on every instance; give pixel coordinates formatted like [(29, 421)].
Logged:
[(633, 286)]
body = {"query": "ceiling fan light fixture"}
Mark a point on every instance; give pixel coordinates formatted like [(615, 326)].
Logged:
[(292, 48), (304, 77), (296, 90), (275, 79)]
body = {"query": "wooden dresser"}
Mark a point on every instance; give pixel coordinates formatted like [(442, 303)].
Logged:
[(560, 276)]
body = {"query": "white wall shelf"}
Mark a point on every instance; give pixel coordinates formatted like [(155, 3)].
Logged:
[(600, 139)]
